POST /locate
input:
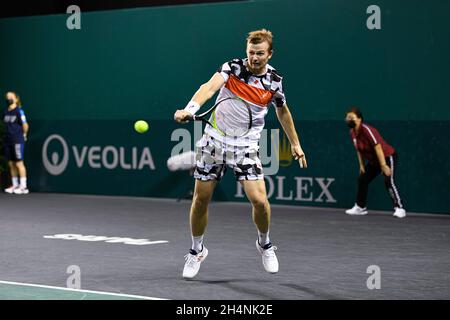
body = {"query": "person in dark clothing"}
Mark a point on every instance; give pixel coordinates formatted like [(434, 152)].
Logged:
[(375, 156), (16, 130)]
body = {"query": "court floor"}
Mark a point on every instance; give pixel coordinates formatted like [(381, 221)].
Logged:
[(105, 247)]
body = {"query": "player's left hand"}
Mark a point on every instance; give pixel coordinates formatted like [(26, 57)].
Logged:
[(298, 154)]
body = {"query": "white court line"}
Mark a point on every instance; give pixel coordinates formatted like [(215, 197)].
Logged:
[(80, 290)]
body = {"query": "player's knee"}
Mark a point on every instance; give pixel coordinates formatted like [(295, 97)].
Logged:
[(200, 200), (259, 202)]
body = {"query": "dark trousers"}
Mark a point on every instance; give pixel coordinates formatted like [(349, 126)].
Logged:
[(372, 171)]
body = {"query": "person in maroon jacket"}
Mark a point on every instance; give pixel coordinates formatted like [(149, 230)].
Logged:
[(381, 158)]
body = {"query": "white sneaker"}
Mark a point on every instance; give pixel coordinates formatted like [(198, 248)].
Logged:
[(400, 213), (21, 190), (356, 211), (269, 258), (11, 189), (193, 262)]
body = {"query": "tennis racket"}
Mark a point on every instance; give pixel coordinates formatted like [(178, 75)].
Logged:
[(231, 117)]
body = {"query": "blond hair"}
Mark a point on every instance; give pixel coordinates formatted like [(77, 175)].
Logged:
[(259, 36), (19, 103)]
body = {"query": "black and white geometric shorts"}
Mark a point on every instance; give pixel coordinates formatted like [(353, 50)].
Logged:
[(213, 157)]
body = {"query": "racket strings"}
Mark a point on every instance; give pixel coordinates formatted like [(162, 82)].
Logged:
[(233, 117)]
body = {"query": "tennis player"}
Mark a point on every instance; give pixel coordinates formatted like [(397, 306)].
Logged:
[(381, 158), (15, 137), (255, 81)]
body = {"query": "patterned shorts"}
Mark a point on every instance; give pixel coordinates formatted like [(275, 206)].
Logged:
[(213, 157)]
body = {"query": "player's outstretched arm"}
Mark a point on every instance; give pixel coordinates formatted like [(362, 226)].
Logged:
[(203, 94), (285, 118)]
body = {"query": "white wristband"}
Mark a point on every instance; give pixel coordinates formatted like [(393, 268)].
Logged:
[(192, 107)]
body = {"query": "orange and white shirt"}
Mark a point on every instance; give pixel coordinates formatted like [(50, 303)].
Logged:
[(259, 91)]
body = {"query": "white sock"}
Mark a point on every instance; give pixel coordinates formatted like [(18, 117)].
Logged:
[(263, 238), (15, 181), (23, 182), (197, 243)]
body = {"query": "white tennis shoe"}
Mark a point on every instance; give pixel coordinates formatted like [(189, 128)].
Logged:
[(399, 213), (356, 211), (269, 258), (193, 262), (21, 190), (11, 189)]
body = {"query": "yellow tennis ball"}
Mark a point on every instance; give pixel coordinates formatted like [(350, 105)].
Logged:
[(141, 126)]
